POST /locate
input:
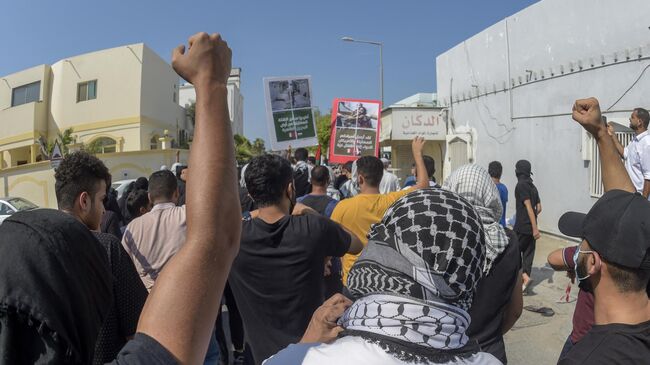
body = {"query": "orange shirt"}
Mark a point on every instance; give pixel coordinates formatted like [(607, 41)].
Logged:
[(360, 212)]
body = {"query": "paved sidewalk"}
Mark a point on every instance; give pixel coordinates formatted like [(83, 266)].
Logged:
[(538, 340)]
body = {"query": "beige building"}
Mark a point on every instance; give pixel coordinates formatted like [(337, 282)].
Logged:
[(417, 115), (120, 102)]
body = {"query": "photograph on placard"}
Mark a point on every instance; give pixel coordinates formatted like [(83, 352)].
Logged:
[(353, 114)]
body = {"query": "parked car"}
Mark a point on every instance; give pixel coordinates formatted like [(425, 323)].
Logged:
[(121, 185), (11, 205)]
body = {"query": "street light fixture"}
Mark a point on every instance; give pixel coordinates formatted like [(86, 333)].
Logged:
[(381, 62)]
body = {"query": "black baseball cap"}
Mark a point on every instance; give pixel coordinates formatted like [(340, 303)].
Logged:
[(523, 167), (617, 227)]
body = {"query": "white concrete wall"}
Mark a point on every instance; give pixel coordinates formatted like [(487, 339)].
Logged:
[(187, 95), (548, 38)]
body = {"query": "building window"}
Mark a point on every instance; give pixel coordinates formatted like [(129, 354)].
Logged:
[(87, 90), (26, 94), (596, 188), (103, 145)]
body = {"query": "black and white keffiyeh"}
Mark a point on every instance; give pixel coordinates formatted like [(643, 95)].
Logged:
[(414, 281), (473, 183)]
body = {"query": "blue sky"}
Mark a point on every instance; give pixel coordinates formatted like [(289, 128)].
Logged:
[(268, 38)]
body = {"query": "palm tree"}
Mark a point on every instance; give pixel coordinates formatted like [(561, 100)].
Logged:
[(243, 149)]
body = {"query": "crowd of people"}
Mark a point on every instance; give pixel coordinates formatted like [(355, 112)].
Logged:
[(316, 265)]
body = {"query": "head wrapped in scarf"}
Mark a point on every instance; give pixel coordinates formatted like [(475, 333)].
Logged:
[(474, 184), (55, 289), (415, 280)]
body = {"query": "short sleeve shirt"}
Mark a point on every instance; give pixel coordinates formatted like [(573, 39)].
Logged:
[(503, 194), (612, 344), (359, 213), (637, 160), (277, 277), (525, 190), (144, 350)]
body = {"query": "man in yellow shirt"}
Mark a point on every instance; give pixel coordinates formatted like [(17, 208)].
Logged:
[(357, 214)]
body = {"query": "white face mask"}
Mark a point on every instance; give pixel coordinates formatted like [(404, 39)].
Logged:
[(576, 255)]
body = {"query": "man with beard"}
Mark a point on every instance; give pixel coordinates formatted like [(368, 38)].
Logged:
[(637, 153), (277, 277), (613, 260)]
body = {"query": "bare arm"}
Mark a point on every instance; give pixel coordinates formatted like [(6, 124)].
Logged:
[(179, 316), (420, 169), (619, 147), (539, 208), (556, 260), (356, 246), (587, 113), (646, 188), (533, 219), (515, 306)]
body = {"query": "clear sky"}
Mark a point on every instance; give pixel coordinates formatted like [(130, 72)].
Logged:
[(268, 38)]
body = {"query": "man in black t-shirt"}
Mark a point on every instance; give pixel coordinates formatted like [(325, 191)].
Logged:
[(277, 277), (613, 259), (302, 173), (528, 206)]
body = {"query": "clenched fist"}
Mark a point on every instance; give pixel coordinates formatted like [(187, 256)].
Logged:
[(587, 113), (206, 61)]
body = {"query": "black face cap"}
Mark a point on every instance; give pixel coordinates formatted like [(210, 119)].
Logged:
[(522, 167), (617, 227)]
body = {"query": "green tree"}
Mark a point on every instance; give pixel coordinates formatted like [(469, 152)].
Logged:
[(324, 130), (258, 147), (243, 149), (65, 139)]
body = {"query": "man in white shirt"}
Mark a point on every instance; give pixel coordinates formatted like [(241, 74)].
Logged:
[(637, 153), (389, 182)]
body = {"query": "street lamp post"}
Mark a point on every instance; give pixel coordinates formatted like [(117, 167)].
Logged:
[(381, 62)]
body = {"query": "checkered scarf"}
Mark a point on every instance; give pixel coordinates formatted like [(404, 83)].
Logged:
[(415, 280), (473, 183)]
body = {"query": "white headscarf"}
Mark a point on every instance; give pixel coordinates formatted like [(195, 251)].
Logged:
[(473, 183)]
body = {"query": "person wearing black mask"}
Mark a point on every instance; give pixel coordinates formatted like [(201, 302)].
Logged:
[(528, 207)]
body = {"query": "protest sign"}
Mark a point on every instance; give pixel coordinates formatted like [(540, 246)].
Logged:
[(290, 117), (355, 129)]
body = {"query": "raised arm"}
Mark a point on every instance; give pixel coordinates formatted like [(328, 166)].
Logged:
[(420, 169), (619, 147), (182, 308), (587, 113)]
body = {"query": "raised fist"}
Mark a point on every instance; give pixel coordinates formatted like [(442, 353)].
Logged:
[(207, 60), (587, 113)]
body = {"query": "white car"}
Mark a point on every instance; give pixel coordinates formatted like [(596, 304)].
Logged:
[(11, 205), (121, 185)]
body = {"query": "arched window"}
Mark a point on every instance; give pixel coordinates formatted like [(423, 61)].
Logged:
[(154, 142), (103, 145)]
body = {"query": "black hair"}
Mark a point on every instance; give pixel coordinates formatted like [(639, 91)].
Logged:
[(495, 169), (141, 183), (79, 172), (430, 165), (179, 170), (162, 185), (137, 199), (628, 280), (320, 176), (312, 159), (267, 177), (372, 170), (643, 115), (301, 154)]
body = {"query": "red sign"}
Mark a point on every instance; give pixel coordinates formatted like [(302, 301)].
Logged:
[(355, 129)]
